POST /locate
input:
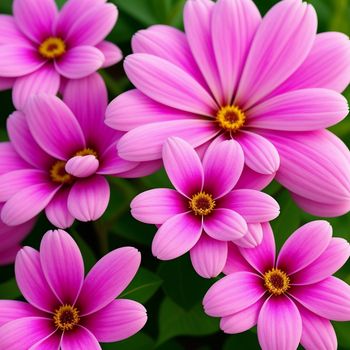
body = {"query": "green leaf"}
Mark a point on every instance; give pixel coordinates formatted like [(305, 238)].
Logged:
[(9, 290), (343, 334), (139, 341)]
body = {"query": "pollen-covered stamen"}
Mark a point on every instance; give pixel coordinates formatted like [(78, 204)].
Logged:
[(52, 47), (58, 173), (87, 152), (202, 203), (230, 118), (276, 281), (66, 317)]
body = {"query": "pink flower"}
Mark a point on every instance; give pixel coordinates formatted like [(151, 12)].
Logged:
[(41, 46), (291, 299), (271, 84), (64, 151), (64, 310), (205, 212)]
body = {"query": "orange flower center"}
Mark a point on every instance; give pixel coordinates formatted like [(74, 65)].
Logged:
[(66, 317), (276, 281), (58, 173), (230, 118), (202, 203), (52, 47)]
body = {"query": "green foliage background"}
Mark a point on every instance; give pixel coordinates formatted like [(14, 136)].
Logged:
[(171, 291)]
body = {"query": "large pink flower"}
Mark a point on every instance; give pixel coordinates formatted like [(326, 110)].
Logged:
[(291, 299), (40, 46), (64, 150), (272, 84), (205, 212), (64, 310)]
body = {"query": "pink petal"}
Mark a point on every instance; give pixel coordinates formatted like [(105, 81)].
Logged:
[(304, 246), (10, 33), (59, 133), (329, 298), (166, 83), (16, 61), (81, 338), (119, 320), (286, 35), (8, 256), (318, 333), (232, 294), (145, 143), (225, 225), (6, 83), (142, 169), (235, 261), (252, 238), (57, 211), (253, 180), (111, 52), (262, 257), (62, 264), (25, 332), (183, 166), (157, 206), (300, 110), (208, 256), (49, 343), (82, 166), (279, 324), (242, 320), (254, 206), (176, 236), (259, 153), (32, 282), (234, 24), (10, 159), (45, 79), (122, 263), (223, 165)]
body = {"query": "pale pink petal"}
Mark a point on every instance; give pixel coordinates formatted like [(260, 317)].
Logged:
[(235, 261), (318, 332), (32, 282), (80, 339), (6, 83), (88, 198), (79, 62), (223, 165), (183, 166), (59, 133), (304, 246), (142, 169), (50, 343), (45, 79), (242, 320), (119, 320), (300, 110), (252, 238), (225, 225), (233, 27), (157, 206), (279, 324), (176, 236), (233, 293), (208, 256), (329, 298), (145, 142), (82, 166), (329, 262), (254, 206), (253, 180), (114, 272), (57, 211), (62, 264), (166, 83), (111, 52), (10, 33)]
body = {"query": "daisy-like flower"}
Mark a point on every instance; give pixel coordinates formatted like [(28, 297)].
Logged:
[(271, 84), (64, 310), (40, 46), (291, 299), (64, 150), (205, 212)]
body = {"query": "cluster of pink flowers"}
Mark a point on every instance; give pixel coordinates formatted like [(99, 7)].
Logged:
[(227, 106)]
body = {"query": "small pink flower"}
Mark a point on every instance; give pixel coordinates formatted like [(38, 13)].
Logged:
[(59, 155), (64, 310), (41, 46), (270, 83), (205, 212), (291, 299)]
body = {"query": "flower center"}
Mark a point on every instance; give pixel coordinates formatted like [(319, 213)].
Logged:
[(52, 47), (87, 152), (230, 118), (277, 282), (202, 203), (58, 173), (66, 317)]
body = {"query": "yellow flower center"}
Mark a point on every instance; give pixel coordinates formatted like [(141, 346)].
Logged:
[(202, 203), (277, 281), (230, 118), (87, 152), (52, 47), (66, 317), (58, 173)]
